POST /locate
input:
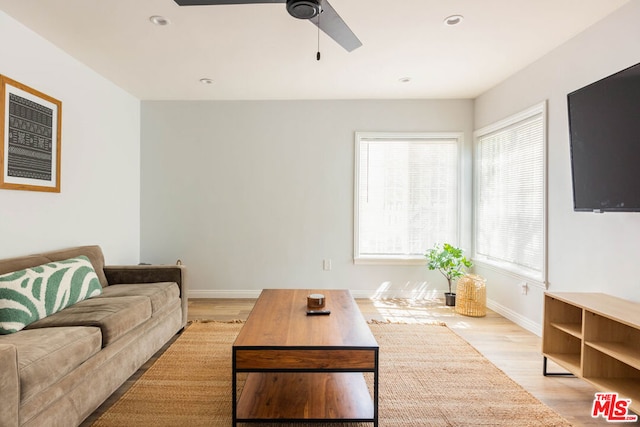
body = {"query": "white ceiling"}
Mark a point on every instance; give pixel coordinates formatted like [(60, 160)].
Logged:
[(258, 51)]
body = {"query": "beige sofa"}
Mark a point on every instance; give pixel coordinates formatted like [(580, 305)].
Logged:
[(59, 369)]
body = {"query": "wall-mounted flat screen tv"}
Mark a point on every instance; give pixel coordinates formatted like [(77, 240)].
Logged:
[(604, 127)]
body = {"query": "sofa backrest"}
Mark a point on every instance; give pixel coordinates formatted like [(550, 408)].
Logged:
[(94, 253)]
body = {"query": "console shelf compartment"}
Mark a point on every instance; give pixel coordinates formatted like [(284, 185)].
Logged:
[(622, 352), (574, 329)]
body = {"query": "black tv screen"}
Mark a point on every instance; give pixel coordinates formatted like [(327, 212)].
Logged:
[(604, 127)]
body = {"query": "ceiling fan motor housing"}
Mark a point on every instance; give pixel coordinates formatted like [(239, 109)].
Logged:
[(304, 9)]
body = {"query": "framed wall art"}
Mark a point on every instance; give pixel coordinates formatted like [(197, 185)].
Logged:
[(30, 131)]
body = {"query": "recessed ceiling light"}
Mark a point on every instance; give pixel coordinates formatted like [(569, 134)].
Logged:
[(404, 79), (159, 20), (206, 81), (453, 20)]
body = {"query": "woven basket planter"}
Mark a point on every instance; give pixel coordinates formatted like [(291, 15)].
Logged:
[(471, 296)]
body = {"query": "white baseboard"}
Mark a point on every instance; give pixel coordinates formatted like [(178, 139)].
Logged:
[(254, 293), (204, 293), (516, 318)]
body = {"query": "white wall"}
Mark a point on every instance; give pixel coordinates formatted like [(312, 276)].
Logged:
[(99, 201), (253, 195), (587, 252)]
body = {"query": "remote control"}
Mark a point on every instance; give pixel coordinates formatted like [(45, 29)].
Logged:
[(318, 312)]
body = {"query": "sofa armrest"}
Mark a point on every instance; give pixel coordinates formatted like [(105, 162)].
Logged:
[(9, 386), (132, 274), (119, 274)]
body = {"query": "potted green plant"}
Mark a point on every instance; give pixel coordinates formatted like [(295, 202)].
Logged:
[(449, 261)]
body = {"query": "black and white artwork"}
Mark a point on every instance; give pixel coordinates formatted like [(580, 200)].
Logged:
[(30, 149)]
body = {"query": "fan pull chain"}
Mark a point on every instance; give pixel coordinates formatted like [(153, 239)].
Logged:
[(318, 54)]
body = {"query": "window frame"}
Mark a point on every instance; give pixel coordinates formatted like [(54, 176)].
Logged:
[(530, 276), (403, 259)]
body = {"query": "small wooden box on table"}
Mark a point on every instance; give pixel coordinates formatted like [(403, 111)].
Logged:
[(305, 368)]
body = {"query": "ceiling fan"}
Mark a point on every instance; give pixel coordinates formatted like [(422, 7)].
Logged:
[(319, 12)]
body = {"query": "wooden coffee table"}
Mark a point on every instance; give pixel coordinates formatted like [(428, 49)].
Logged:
[(305, 368)]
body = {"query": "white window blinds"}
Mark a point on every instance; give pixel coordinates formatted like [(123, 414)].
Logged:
[(406, 194), (510, 193)]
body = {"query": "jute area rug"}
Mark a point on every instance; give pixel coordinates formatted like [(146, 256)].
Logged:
[(429, 376)]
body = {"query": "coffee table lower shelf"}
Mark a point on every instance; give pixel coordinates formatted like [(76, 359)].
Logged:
[(305, 396)]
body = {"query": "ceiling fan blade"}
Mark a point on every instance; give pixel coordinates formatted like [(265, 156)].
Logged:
[(336, 28), (329, 20), (214, 2)]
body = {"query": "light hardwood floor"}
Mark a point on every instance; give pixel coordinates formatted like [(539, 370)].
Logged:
[(511, 348)]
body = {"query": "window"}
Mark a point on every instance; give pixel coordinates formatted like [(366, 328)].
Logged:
[(510, 194), (406, 194)]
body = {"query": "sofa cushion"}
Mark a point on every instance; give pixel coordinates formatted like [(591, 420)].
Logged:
[(47, 355), (10, 265), (114, 316), (93, 252), (34, 293), (161, 294)]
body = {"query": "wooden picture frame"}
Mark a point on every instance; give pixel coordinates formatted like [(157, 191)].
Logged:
[(30, 138)]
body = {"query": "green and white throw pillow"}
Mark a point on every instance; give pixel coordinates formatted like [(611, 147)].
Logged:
[(34, 293)]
